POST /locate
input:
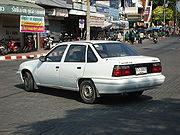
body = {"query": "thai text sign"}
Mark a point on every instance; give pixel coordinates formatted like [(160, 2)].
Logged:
[(97, 21), (31, 24), (21, 10)]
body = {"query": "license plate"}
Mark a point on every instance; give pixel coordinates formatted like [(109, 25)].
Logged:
[(141, 70)]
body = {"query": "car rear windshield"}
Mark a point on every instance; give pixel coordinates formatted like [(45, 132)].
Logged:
[(108, 50)]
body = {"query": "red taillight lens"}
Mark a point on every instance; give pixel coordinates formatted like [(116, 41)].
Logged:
[(156, 67), (121, 71)]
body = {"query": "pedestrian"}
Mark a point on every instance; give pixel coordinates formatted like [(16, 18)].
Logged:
[(132, 37), (127, 37), (137, 37), (120, 37), (141, 37)]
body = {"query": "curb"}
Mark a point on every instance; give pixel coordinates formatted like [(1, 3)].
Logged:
[(20, 57)]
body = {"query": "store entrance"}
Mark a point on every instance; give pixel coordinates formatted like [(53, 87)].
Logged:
[(72, 25)]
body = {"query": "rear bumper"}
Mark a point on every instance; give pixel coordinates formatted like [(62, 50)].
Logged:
[(124, 85)]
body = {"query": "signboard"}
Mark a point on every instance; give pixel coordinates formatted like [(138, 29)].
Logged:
[(97, 21), (114, 13), (21, 10), (103, 2), (135, 17), (83, 7), (61, 12), (31, 24), (81, 23), (101, 9), (57, 12)]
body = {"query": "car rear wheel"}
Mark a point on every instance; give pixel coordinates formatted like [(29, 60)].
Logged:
[(28, 82), (88, 92), (135, 94)]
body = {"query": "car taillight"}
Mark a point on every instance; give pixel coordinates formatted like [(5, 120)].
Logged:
[(156, 67), (121, 71)]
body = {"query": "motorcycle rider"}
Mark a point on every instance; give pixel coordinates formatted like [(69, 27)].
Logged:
[(155, 37), (48, 42)]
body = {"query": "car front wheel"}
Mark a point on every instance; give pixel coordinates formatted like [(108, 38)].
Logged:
[(28, 82), (88, 92)]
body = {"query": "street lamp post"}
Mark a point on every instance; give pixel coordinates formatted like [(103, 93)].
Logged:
[(88, 20), (165, 6)]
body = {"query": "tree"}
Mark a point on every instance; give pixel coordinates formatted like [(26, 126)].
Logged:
[(158, 14), (171, 3)]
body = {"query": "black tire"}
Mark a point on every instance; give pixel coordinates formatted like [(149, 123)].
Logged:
[(135, 94), (88, 92), (28, 82), (25, 49)]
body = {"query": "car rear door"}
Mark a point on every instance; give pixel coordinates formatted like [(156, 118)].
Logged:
[(73, 66), (48, 72)]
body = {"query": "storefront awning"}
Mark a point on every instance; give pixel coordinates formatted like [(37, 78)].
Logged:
[(55, 3), (20, 8)]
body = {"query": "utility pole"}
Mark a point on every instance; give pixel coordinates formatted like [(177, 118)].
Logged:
[(164, 13), (88, 20), (176, 15)]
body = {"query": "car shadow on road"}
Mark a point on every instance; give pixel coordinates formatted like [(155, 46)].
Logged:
[(108, 99), (122, 100), (55, 92), (60, 93), (20, 86), (154, 117)]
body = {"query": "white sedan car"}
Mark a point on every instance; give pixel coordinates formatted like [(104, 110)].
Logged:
[(93, 68)]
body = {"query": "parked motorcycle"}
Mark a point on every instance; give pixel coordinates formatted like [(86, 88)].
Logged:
[(3, 49), (28, 46), (12, 47), (8, 47)]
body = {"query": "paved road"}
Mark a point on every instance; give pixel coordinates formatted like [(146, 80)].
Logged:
[(58, 112)]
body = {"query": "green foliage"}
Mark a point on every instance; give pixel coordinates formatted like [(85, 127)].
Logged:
[(158, 14), (170, 11), (171, 3)]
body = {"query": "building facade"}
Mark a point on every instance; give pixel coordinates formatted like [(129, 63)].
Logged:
[(11, 25)]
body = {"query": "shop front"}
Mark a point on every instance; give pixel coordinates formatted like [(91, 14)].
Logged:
[(12, 27), (96, 23), (54, 21), (72, 24), (135, 20)]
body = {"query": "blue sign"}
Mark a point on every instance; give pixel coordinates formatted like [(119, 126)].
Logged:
[(101, 9), (114, 13)]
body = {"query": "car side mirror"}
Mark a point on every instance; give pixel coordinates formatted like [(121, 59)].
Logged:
[(42, 58)]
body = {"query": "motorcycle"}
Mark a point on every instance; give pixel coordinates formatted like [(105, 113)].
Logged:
[(28, 45), (48, 43), (12, 47), (3, 49), (155, 40)]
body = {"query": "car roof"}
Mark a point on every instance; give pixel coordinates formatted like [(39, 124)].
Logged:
[(90, 42)]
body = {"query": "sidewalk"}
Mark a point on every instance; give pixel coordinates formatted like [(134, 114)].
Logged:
[(29, 55)]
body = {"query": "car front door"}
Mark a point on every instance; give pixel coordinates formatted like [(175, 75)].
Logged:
[(48, 72), (73, 66)]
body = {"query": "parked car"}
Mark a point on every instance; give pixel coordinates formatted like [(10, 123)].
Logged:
[(93, 68)]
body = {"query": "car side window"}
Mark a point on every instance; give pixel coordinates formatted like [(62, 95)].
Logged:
[(91, 57), (76, 53), (56, 54)]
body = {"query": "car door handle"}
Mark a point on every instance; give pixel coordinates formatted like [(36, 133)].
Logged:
[(78, 67), (57, 67)]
